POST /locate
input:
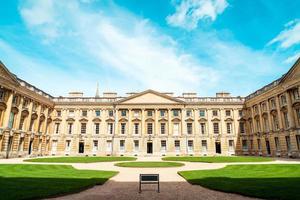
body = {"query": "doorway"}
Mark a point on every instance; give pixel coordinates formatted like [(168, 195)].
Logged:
[(81, 147), (218, 147), (30, 147), (268, 147), (149, 148)]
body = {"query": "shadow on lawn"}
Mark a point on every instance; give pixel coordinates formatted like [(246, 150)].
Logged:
[(37, 188), (268, 188)]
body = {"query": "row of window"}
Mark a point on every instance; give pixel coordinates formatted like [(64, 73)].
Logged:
[(136, 128)]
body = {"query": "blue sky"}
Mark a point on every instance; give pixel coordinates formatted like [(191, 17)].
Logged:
[(202, 46)]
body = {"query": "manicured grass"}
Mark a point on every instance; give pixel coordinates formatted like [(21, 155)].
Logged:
[(218, 159), (40, 181), (149, 164), (270, 181), (82, 159)]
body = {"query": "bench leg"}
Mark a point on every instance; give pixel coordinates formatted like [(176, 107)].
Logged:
[(158, 187), (140, 189)]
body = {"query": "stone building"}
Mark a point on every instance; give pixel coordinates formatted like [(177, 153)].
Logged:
[(35, 123)]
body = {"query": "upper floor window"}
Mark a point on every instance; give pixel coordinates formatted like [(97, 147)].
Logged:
[(149, 113), (273, 103), (255, 109), (264, 106), (2, 95), (25, 103), (283, 100), (175, 113), (136, 128), (189, 113), (97, 128), (216, 128), (58, 113), (110, 128), (228, 113), (215, 113), (202, 128), (123, 128), (110, 113), (70, 128), (296, 94), (162, 128), (286, 120), (83, 128), (242, 127), (240, 113), (71, 113), (15, 100), (136, 113), (97, 113), (189, 127), (162, 113), (56, 128), (149, 128), (123, 113), (84, 113), (202, 113), (229, 128)]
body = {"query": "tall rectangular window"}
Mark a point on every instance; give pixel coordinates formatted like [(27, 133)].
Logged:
[(162, 113), (110, 113), (190, 145), (149, 113), (95, 145), (21, 126), (68, 145), (228, 113), (216, 128), (162, 128), (277, 145), (202, 128), (298, 141), (176, 128), (97, 128), (149, 128), (177, 145), (189, 113), (123, 113), (123, 128), (189, 127), (136, 128), (163, 145), (229, 128), (110, 127), (231, 145), (215, 113), (204, 146), (259, 144), (242, 127), (122, 145), (70, 128), (83, 128), (245, 145), (288, 142), (286, 120), (56, 128), (136, 145)]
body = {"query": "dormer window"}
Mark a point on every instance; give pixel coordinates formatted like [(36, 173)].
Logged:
[(215, 113), (189, 113), (97, 113), (228, 113), (84, 113), (123, 113), (162, 113), (175, 113), (149, 113), (202, 113)]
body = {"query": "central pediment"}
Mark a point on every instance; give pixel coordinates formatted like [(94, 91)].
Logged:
[(150, 97)]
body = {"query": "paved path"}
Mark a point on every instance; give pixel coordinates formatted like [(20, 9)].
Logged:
[(125, 185)]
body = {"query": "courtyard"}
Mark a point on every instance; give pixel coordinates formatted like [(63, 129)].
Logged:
[(95, 178)]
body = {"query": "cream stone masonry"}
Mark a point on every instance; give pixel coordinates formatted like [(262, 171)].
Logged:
[(34, 123)]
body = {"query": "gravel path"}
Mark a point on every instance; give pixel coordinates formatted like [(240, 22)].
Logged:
[(124, 186)]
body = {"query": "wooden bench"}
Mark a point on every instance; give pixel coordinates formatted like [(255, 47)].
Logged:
[(149, 179)]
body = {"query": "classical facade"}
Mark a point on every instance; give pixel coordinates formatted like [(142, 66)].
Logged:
[(35, 123), (272, 116)]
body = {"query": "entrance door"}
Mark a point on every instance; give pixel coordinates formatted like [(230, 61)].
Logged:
[(218, 147), (30, 147), (81, 147), (149, 148), (268, 147)]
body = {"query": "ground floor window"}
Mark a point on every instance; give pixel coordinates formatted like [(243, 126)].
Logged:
[(108, 145), (218, 147), (136, 145), (231, 145), (298, 141), (190, 145), (177, 145), (244, 145), (259, 144), (204, 145), (95, 145), (163, 145), (122, 145), (288, 142), (81, 147), (277, 144), (68, 145)]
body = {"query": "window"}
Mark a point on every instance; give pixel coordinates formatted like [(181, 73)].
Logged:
[(30, 125), (136, 145), (202, 113), (298, 141), (70, 128), (215, 113), (202, 128), (25, 104), (176, 128), (162, 128), (97, 113), (288, 143), (277, 145), (275, 122), (264, 107), (110, 113), (216, 128), (149, 113), (58, 113), (283, 100), (135, 113), (242, 127), (68, 145), (298, 115), (97, 128), (123, 128), (259, 144), (162, 113), (175, 113), (229, 127), (71, 113), (108, 146), (56, 128), (273, 103), (245, 145), (110, 128), (15, 100), (95, 145), (228, 113), (296, 94), (163, 144), (189, 113), (2, 95), (286, 120), (204, 146), (266, 123), (136, 128), (149, 128), (177, 145), (190, 145), (122, 145), (257, 125), (240, 113), (21, 122), (251, 144), (83, 128), (231, 145), (123, 113), (189, 127)]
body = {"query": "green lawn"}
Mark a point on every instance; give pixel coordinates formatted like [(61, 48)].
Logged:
[(149, 164), (270, 181), (218, 159), (82, 159), (39, 181)]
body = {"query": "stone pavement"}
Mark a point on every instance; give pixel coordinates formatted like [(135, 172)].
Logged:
[(124, 185)]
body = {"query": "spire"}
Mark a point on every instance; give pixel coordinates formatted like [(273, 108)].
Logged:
[(97, 91)]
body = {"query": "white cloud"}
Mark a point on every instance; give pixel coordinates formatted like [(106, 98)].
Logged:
[(190, 12), (135, 50), (293, 58), (290, 36)]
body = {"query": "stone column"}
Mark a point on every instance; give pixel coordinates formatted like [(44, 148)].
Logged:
[(6, 131), (290, 110), (279, 113)]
